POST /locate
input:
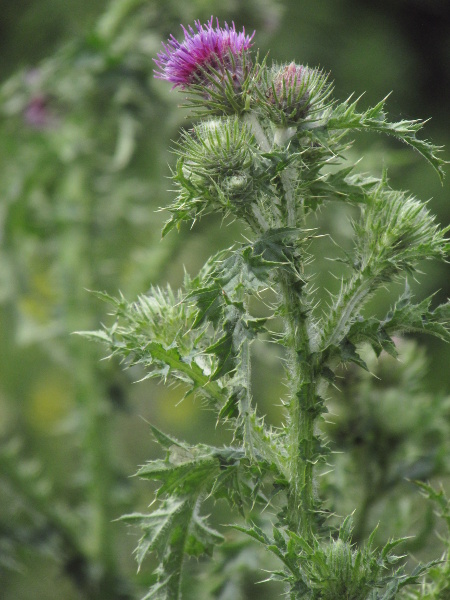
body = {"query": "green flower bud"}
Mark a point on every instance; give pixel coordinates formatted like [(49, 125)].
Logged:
[(237, 184), (396, 231), (289, 91), (294, 93), (216, 163)]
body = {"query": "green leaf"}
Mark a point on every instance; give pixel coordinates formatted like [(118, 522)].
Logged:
[(404, 317), (343, 186), (240, 480), (254, 532), (418, 318), (227, 348), (155, 332), (159, 527), (171, 531), (346, 352), (159, 360), (175, 528), (246, 271), (230, 409), (164, 440), (209, 303), (183, 477), (346, 116), (371, 331)]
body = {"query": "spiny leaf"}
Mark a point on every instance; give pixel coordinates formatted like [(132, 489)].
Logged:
[(247, 270), (346, 352), (165, 440), (346, 116), (405, 316), (160, 361), (408, 317), (230, 408), (371, 331), (171, 531), (209, 304), (254, 532), (181, 478), (226, 349), (159, 526), (341, 185), (155, 332)]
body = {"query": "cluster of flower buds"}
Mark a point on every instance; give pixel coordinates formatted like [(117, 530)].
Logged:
[(220, 160), (213, 65)]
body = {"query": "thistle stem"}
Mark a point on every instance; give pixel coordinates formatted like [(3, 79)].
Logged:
[(352, 295), (302, 416), (245, 403), (302, 409), (252, 120)]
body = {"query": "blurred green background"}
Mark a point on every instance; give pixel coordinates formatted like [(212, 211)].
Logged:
[(85, 136)]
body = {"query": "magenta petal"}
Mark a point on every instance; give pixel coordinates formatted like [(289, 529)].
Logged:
[(181, 62)]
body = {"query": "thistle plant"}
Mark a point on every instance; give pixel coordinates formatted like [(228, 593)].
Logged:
[(268, 149)]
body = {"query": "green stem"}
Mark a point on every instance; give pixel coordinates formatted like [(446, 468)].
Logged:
[(287, 181), (173, 562), (252, 120), (245, 402), (352, 295), (303, 411), (302, 416)]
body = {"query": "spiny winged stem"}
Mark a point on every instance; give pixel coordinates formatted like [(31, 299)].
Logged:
[(302, 415), (245, 403), (352, 295), (303, 412)]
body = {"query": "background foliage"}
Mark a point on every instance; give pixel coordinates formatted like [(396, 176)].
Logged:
[(85, 132)]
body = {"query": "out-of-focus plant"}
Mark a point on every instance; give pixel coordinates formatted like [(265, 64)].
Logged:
[(268, 151), (387, 430), (79, 161), (437, 584)]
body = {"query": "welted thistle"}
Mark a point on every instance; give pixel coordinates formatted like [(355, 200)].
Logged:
[(261, 154), (212, 62), (216, 165), (205, 51)]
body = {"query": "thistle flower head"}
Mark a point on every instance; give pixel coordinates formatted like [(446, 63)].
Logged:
[(396, 232), (215, 171), (217, 161), (294, 92), (289, 86), (209, 49)]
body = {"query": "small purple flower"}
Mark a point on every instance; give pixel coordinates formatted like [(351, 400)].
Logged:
[(185, 63), (37, 113)]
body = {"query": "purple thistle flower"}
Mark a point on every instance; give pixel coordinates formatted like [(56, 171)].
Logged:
[(37, 113), (184, 63)]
